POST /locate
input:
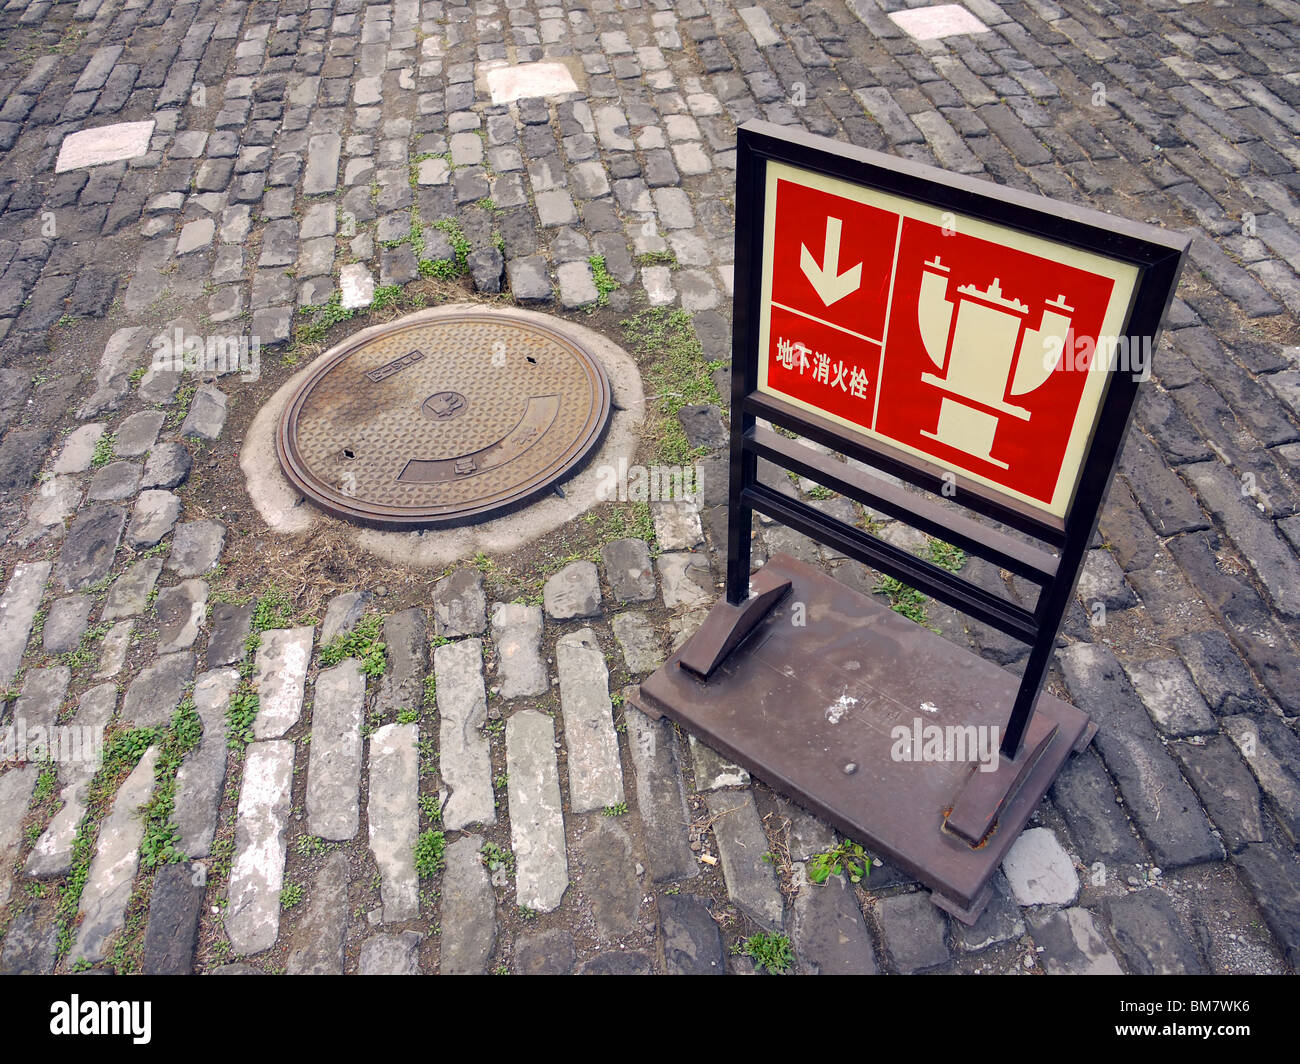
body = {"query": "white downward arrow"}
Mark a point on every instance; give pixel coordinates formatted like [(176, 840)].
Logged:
[(827, 283)]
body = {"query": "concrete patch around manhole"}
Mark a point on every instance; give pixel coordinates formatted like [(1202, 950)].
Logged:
[(933, 23), (104, 144), (508, 84), (282, 505)]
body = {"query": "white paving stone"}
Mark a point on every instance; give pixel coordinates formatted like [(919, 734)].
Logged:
[(517, 636), (202, 774), (41, 697), (595, 772), (190, 599), (54, 502), (536, 811), (612, 127), (113, 868), (79, 449), (334, 772), (257, 873), (17, 611), (468, 910), (52, 854), (529, 80), (113, 650), (658, 285), (279, 673), (661, 796), (433, 172), (759, 26), (1075, 944), (751, 881), (120, 356), (464, 756), (16, 787), (712, 770), (1039, 870), (677, 525), (385, 954), (104, 144), (394, 817), (685, 578), (942, 20), (641, 643), (195, 235), (356, 285)]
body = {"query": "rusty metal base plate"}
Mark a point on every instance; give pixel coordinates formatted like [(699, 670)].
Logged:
[(813, 710), (442, 421)]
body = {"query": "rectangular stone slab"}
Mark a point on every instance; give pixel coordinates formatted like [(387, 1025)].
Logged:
[(257, 873), (105, 144)]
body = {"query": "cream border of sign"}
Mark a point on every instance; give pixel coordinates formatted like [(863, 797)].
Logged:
[(1124, 275)]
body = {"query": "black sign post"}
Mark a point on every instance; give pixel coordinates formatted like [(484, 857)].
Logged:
[(974, 342)]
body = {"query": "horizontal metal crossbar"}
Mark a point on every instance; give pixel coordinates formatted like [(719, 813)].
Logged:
[(984, 542), (925, 576)]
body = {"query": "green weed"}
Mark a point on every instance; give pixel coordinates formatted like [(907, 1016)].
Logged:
[(769, 951), (848, 857), (363, 643), (430, 848)]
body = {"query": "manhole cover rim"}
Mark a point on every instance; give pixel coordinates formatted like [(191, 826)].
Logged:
[(382, 515)]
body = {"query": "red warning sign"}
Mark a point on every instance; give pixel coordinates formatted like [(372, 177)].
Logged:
[(964, 343)]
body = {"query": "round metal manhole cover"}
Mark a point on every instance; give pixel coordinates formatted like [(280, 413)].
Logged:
[(442, 421)]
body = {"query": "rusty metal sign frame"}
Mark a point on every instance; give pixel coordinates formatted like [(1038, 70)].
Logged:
[(950, 826), (1158, 256)]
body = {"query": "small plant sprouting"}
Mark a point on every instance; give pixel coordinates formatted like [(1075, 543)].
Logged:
[(274, 609), (386, 296), (104, 450), (603, 280), (310, 845), (45, 782), (617, 809), (240, 716), (946, 555), (363, 643), (666, 257), (848, 857), (431, 807), (460, 244), (768, 951), (429, 850), (905, 600), (496, 858), (324, 317)]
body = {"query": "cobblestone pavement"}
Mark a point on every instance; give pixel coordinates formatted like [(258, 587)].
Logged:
[(298, 163)]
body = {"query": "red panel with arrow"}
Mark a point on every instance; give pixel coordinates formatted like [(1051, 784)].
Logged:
[(954, 345)]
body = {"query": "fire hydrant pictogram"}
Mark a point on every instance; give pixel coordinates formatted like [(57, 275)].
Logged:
[(985, 354)]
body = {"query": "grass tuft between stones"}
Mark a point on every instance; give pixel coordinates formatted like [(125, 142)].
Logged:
[(430, 849), (768, 951), (676, 375)]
